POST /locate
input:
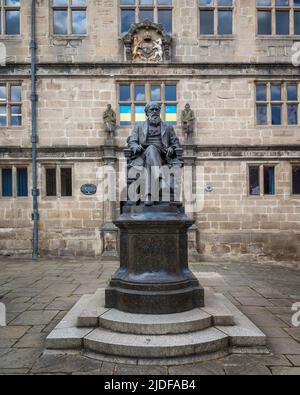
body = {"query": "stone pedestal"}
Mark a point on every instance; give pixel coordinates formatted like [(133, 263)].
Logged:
[(154, 277)]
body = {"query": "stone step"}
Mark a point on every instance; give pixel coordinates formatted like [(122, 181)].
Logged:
[(164, 346), (141, 324), (215, 313)]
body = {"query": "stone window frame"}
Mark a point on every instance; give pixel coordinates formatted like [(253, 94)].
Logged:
[(215, 7), (273, 8), (284, 102), (133, 102), (3, 9), (8, 104), (14, 168), (58, 168), (156, 7), (294, 195), (69, 8), (261, 179)]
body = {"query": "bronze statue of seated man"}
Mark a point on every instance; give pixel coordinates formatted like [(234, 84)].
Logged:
[(154, 144)]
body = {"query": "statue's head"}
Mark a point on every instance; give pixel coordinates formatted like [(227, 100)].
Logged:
[(153, 111), (109, 106), (187, 107)]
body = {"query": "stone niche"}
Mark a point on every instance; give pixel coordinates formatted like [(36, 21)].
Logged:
[(147, 42)]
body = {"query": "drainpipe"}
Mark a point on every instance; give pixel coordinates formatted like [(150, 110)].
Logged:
[(34, 138)]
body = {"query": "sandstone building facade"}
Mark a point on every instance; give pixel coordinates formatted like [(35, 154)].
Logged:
[(235, 62)]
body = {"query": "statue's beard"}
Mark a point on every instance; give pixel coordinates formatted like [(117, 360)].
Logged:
[(154, 120)]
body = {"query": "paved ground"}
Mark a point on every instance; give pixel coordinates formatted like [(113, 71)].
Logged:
[(38, 295)]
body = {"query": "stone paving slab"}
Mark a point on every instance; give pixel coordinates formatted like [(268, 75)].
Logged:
[(281, 371), (284, 346), (38, 317), (129, 370), (12, 332), (295, 359), (54, 362), (214, 368), (19, 358)]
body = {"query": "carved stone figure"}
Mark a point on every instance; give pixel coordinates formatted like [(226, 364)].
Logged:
[(158, 54), (110, 121), (154, 144), (136, 48), (188, 122)]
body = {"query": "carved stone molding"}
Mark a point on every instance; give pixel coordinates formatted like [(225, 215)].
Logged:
[(147, 42)]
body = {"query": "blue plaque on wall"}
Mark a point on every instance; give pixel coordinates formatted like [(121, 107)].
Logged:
[(88, 189)]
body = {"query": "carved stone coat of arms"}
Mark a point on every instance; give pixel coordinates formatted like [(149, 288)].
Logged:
[(147, 42)]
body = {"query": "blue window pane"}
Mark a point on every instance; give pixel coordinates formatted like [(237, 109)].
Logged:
[(155, 93), (207, 22), (269, 180), (292, 114), (127, 20), (60, 22), (276, 93), (296, 180), (292, 92), (22, 182), (262, 114), (261, 92), (6, 182), (79, 22), (254, 187), (297, 22), (165, 19), (264, 22), (171, 93), (12, 22), (140, 94), (146, 15), (283, 22), (225, 22), (276, 115), (125, 93)]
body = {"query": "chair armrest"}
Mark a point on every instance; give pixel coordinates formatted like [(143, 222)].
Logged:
[(127, 153), (179, 153)]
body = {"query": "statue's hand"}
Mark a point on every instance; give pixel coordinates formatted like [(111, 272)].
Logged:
[(138, 149), (170, 152)]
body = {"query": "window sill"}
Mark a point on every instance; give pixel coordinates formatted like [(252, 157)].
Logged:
[(228, 37), (14, 197), (277, 126), (57, 197), (63, 37), (12, 129), (278, 37), (10, 37), (263, 196)]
